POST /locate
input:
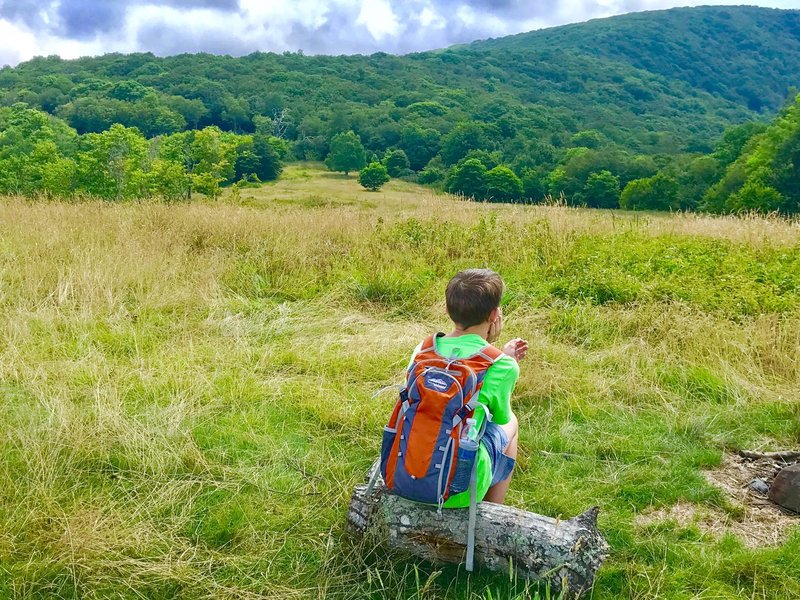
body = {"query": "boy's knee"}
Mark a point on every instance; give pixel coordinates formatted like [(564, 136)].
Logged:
[(511, 428)]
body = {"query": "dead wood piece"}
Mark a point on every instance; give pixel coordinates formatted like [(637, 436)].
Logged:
[(786, 455), (565, 553)]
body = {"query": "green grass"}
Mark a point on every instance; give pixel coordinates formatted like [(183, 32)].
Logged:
[(186, 389)]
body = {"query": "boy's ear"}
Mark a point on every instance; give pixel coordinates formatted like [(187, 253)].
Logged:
[(494, 315)]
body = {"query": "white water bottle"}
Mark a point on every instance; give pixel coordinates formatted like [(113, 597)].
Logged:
[(467, 454), (469, 431)]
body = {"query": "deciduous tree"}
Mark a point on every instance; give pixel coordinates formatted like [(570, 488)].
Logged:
[(396, 163), (346, 153), (468, 179), (602, 190), (502, 185)]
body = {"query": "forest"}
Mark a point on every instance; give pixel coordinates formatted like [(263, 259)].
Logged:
[(633, 112)]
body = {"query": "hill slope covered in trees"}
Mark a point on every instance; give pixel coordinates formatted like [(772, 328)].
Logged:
[(745, 54), (580, 111), (654, 82)]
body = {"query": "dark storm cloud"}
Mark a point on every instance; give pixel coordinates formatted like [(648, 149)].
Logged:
[(24, 11), (84, 19), (513, 8), (165, 40), (315, 26)]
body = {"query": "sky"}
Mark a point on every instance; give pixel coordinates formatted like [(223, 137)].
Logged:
[(72, 28)]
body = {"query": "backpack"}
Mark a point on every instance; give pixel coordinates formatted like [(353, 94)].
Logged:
[(425, 455)]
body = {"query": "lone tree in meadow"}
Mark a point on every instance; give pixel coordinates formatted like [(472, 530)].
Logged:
[(502, 185), (346, 153), (373, 176)]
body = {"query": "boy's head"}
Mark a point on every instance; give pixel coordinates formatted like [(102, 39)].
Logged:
[(473, 296)]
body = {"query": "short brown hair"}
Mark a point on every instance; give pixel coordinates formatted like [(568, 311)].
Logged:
[(473, 294)]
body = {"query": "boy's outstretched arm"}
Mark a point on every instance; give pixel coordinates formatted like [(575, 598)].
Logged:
[(516, 348)]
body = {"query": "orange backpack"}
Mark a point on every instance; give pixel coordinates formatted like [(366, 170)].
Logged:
[(426, 455)]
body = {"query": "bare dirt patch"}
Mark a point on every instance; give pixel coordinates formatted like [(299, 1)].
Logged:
[(760, 522)]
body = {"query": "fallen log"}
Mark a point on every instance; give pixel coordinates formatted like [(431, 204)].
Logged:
[(786, 455), (567, 554)]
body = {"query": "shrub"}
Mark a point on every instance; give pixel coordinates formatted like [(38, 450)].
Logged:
[(755, 196), (373, 176)]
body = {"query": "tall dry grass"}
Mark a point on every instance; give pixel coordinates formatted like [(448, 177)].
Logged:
[(187, 388)]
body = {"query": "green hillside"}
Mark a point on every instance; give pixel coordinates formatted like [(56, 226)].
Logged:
[(657, 82), (644, 111), (745, 54), (767, 174)]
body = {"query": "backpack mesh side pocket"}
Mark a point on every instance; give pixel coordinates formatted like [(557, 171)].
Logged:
[(467, 455)]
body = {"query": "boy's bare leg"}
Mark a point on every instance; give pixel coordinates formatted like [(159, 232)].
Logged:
[(497, 493)]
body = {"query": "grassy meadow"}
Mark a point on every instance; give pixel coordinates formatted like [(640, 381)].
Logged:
[(187, 388)]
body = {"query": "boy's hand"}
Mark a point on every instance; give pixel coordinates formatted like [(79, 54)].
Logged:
[(516, 348)]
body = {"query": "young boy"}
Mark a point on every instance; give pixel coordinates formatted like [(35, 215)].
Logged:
[(473, 304)]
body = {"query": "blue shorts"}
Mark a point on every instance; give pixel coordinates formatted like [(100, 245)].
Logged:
[(495, 440)]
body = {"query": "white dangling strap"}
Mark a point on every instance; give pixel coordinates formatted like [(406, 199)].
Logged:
[(473, 509), (372, 480), (394, 386)]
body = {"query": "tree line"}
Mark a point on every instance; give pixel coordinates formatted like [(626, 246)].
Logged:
[(636, 122), (753, 167), (42, 155)]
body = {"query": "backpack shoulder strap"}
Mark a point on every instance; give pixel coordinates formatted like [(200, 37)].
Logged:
[(427, 349), (491, 353), (429, 344), (483, 359)]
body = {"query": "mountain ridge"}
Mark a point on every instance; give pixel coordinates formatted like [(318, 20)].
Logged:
[(612, 28)]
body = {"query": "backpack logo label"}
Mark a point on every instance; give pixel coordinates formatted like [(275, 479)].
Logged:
[(434, 381)]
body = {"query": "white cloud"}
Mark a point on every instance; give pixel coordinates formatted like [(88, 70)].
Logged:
[(379, 19), (16, 44), (430, 18), (19, 43)]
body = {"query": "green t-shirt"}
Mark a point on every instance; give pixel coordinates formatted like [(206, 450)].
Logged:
[(498, 383)]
